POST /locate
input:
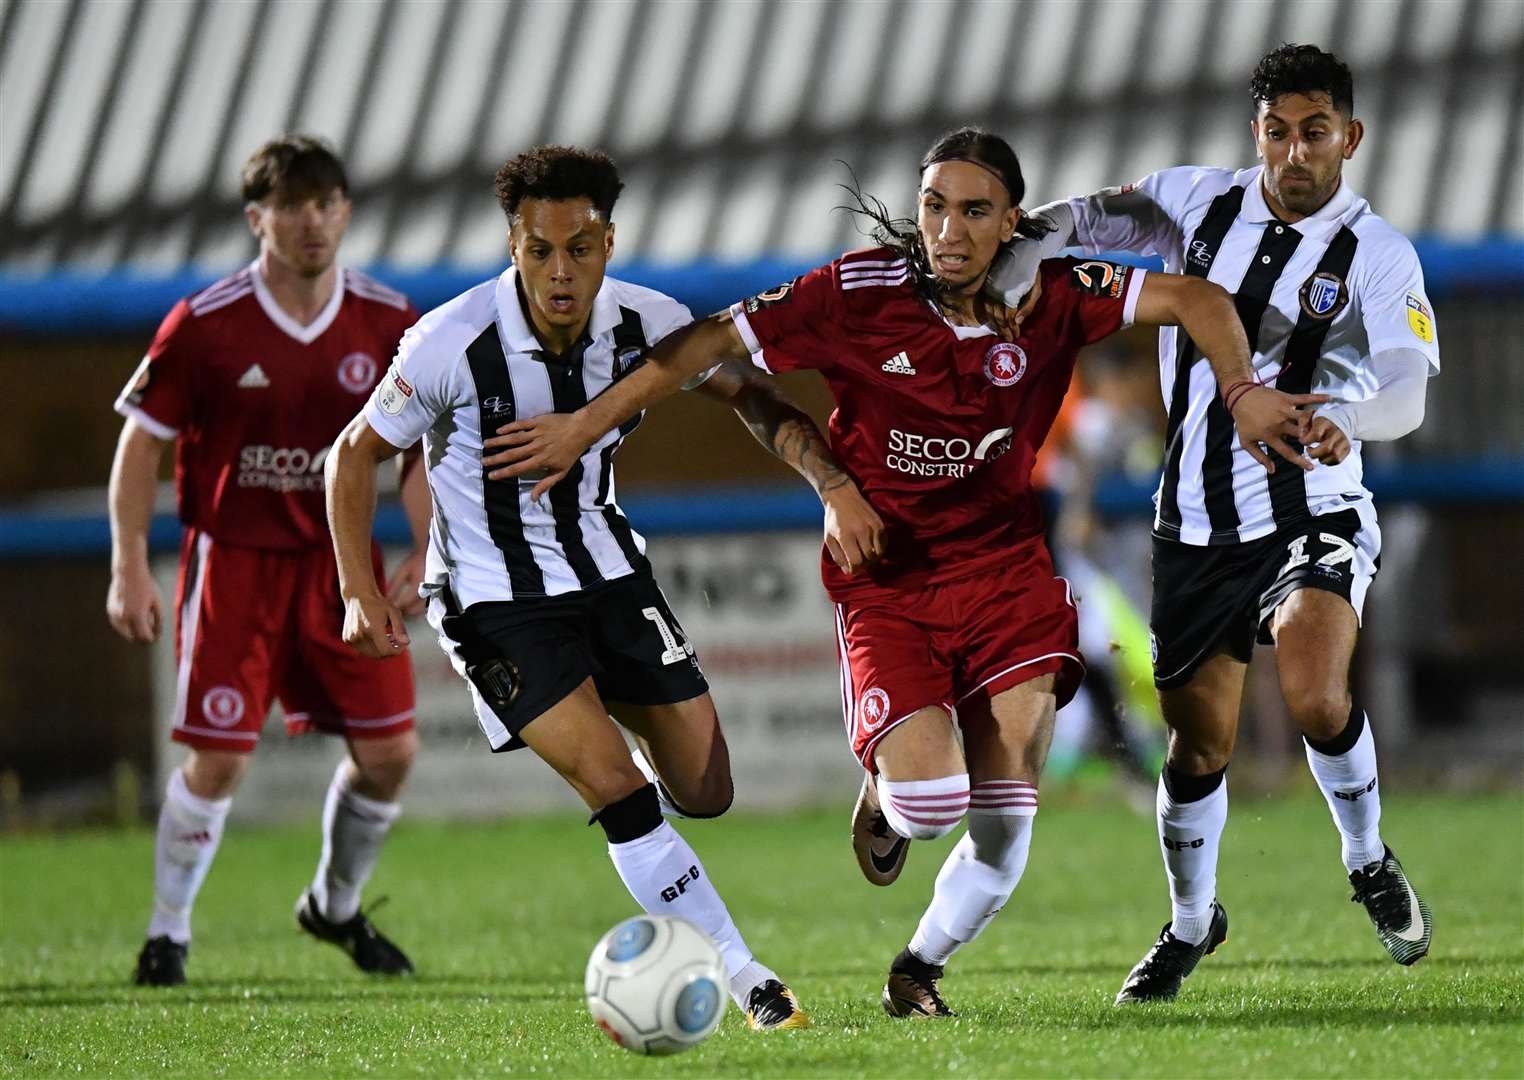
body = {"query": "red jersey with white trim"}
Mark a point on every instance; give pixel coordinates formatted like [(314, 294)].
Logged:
[(254, 400), (938, 424)]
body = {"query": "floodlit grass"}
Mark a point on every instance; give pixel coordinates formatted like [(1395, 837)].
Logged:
[(499, 920)]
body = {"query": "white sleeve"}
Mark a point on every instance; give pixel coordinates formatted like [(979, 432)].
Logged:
[(1393, 303), (1015, 269), (1142, 218), (1396, 408), (414, 392)]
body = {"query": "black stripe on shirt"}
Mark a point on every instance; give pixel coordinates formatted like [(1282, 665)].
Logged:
[(1288, 485), (1200, 250), (567, 395), (495, 401), (1251, 299), (629, 334)]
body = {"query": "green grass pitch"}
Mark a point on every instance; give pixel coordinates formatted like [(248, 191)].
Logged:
[(500, 917)]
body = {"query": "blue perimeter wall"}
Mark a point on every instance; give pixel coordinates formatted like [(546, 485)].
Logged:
[(71, 304)]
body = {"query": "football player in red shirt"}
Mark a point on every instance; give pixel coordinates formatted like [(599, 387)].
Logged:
[(252, 379), (952, 609)]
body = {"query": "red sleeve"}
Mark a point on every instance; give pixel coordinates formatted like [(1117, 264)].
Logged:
[(1103, 295), (158, 395), (792, 326)]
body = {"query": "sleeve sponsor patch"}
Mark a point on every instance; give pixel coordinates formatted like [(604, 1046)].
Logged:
[(766, 299), (1101, 278), (394, 392), (1420, 319)]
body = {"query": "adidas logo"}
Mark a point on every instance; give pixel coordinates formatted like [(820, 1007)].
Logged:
[(253, 379), (898, 364)]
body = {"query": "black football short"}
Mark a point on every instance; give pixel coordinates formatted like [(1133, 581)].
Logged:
[(523, 657), (1210, 599)]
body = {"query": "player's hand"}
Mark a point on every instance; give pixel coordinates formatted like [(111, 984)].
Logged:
[(134, 606), (543, 448), (1009, 323), (1326, 441), (374, 626), (1266, 416), (854, 533), (1013, 274), (402, 588)]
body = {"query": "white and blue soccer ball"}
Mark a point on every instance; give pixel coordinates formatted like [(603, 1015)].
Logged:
[(656, 984)]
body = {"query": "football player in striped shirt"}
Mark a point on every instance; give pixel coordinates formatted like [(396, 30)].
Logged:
[(1333, 301), (548, 607)]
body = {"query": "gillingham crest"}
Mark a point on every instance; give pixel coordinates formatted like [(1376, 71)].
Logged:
[(1324, 295), (1005, 363)]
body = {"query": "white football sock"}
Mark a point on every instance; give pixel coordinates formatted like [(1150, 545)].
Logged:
[(354, 828), (189, 831), (924, 809), (1348, 783), (666, 878), (1190, 834), (981, 872)]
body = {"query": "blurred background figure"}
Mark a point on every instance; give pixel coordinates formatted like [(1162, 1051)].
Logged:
[(126, 120)]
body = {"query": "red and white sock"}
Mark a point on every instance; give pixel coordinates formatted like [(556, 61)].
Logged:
[(981, 872), (924, 809)]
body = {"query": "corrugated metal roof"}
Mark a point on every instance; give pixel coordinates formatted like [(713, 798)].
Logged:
[(126, 121)]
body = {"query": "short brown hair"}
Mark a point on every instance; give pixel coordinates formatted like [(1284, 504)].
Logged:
[(559, 172), (294, 167)]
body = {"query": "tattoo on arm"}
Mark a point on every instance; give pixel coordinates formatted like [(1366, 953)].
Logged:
[(791, 435)]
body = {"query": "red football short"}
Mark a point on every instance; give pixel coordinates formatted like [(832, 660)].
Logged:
[(256, 625), (955, 645)]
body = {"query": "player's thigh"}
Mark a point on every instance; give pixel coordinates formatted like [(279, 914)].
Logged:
[(896, 690), (684, 743), (1006, 737), (1315, 633), (577, 739), (1202, 715)]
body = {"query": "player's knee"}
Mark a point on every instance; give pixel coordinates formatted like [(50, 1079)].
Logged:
[(214, 774), (603, 783), (710, 797), (384, 764), (1319, 713), (1199, 753), (924, 809)]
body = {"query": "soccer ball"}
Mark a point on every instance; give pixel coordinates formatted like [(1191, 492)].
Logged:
[(656, 984)]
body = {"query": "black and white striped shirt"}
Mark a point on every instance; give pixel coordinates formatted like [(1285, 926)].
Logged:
[(474, 364), (1316, 297)]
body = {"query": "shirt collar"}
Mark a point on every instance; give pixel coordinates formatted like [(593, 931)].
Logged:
[(519, 335), (1256, 209)]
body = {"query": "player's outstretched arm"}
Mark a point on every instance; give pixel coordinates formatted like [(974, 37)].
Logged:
[(372, 623), (548, 445), (133, 603), (1205, 311), (854, 533)]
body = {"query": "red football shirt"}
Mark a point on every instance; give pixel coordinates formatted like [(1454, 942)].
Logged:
[(253, 401), (938, 424)]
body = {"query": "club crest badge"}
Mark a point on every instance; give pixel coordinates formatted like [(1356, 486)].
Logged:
[(357, 373), (873, 709), (1005, 363), (1324, 295)]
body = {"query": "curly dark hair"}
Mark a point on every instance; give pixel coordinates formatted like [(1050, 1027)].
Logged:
[(1303, 69), (295, 168), (971, 144), (559, 172)]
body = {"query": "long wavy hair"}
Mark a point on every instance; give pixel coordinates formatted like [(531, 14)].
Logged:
[(903, 235)]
